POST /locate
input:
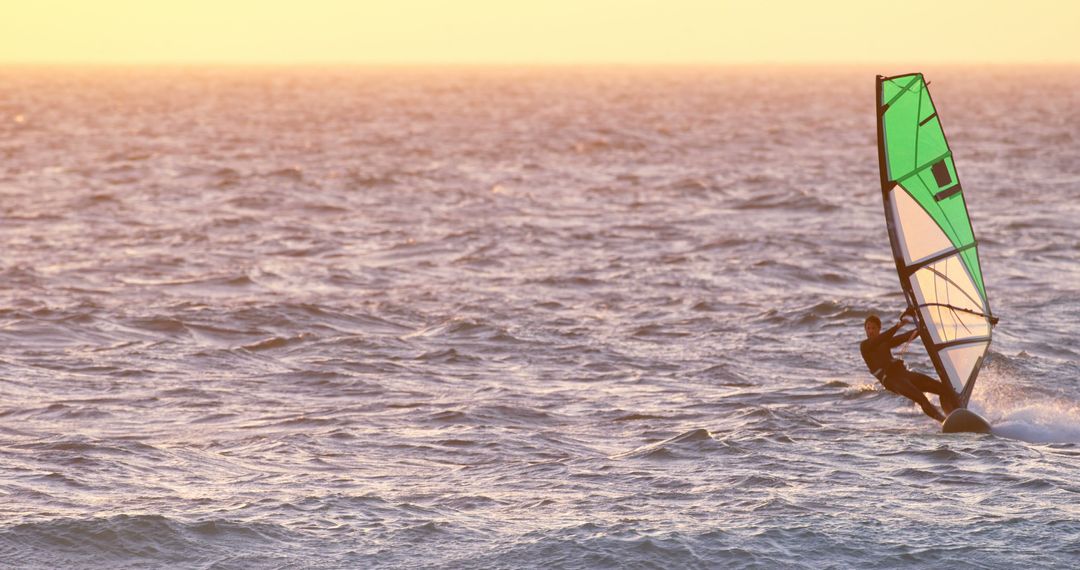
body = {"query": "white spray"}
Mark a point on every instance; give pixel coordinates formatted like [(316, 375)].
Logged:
[(1021, 414)]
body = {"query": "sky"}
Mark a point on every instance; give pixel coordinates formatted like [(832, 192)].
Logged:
[(538, 31)]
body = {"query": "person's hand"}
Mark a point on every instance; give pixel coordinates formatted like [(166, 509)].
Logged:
[(907, 317)]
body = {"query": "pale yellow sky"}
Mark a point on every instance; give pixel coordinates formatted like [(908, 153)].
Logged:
[(538, 32)]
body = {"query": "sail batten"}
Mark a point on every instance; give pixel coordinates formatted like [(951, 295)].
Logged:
[(933, 243), (929, 164)]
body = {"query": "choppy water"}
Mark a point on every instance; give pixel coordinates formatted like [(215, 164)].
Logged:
[(506, 318)]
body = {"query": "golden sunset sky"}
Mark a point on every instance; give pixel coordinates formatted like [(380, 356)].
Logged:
[(538, 32)]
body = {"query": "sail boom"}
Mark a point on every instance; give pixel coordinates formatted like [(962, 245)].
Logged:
[(955, 308)]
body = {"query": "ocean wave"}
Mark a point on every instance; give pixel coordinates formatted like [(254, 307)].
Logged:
[(589, 318), (132, 541)]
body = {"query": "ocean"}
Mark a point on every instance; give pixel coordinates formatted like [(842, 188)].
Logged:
[(336, 317)]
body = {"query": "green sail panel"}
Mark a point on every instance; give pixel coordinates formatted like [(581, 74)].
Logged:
[(932, 239), (918, 156)]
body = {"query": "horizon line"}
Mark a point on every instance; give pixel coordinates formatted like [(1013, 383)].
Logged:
[(478, 64)]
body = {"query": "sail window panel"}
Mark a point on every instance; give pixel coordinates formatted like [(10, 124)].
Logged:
[(970, 325), (938, 333), (941, 174), (951, 286), (960, 361), (920, 236), (949, 304), (959, 286), (949, 324), (948, 282)]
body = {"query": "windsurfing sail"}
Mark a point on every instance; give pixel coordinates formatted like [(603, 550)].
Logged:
[(933, 243)]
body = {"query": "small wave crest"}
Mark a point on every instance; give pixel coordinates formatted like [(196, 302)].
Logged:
[(687, 445)]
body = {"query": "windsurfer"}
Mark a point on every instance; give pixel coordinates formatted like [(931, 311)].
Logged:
[(893, 373)]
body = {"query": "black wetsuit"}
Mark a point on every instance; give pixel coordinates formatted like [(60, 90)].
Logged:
[(894, 375)]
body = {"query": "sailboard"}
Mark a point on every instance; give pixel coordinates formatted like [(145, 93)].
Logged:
[(933, 242)]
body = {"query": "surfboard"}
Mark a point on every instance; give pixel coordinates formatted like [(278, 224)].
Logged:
[(964, 420), (933, 242)]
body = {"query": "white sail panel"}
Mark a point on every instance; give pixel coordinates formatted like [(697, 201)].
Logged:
[(949, 303), (960, 361), (919, 235), (948, 324)]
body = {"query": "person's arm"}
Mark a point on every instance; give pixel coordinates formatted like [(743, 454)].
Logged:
[(903, 337), (885, 336)]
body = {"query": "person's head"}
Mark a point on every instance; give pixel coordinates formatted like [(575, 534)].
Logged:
[(872, 325)]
